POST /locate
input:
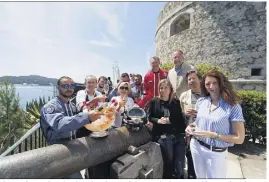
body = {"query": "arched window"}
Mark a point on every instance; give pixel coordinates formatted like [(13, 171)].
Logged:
[(180, 24)]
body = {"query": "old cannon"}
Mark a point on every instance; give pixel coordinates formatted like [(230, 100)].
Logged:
[(142, 162), (129, 152)]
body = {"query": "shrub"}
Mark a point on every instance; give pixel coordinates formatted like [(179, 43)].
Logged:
[(254, 111), (202, 68), (166, 66)]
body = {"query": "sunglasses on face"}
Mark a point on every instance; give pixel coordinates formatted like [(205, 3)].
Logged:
[(124, 88), (66, 86)]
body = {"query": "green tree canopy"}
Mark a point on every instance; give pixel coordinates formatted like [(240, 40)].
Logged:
[(12, 117), (202, 68)]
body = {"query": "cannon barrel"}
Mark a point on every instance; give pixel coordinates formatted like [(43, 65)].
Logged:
[(61, 160)]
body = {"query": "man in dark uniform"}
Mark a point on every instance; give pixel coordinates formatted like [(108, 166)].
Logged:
[(59, 119)]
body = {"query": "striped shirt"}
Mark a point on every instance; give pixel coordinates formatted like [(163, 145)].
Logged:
[(219, 120)]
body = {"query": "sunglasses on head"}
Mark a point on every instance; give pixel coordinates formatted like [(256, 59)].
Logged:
[(192, 71), (66, 86), (124, 88)]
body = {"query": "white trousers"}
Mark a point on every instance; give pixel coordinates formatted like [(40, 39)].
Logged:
[(208, 164)]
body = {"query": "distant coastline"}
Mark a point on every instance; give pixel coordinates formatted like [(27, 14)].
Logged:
[(31, 80)]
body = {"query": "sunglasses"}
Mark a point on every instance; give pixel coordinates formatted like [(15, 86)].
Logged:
[(66, 86), (191, 71), (124, 88)]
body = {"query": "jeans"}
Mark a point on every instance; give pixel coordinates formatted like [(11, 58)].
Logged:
[(173, 152)]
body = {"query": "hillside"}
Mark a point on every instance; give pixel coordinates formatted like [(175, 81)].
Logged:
[(31, 79)]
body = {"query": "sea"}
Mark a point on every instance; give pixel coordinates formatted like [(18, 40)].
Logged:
[(28, 92)]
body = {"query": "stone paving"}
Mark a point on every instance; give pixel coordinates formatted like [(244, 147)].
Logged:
[(246, 165)]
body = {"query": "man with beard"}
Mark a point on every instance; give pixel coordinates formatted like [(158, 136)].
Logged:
[(59, 120), (188, 100), (177, 75), (102, 81), (137, 90)]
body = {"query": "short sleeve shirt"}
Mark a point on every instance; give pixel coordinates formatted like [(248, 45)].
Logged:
[(219, 120)]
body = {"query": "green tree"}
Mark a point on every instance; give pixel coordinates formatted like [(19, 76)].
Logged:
[(202, 68), (12, 117), (166, 66), (33, 108), (205, 67)]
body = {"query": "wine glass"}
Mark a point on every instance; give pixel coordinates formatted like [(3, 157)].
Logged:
[(106, 89), (192, 119), (166, 115)]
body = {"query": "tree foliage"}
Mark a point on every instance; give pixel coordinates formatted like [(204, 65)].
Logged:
[(202, 68), (166, 66), (205, 67), (33, 108), (31, 79), (254, 111), (12, 117)]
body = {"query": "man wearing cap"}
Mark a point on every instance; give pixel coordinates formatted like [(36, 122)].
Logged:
[(177, 75), (59, 120)]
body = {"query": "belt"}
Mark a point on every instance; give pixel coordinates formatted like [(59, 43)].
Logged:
[(215, 149)]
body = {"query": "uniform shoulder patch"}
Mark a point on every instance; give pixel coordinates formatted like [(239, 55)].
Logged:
[(49, 109)]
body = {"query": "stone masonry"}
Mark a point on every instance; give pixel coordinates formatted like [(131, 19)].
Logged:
[(227, 34)]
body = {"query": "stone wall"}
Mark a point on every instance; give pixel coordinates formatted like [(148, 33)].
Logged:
[(258, 85), (228, 34)]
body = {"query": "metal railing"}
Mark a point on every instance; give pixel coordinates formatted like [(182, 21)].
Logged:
[(32, 139)]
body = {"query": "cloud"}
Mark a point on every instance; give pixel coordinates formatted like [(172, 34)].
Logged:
[(55, 39), (111, 15), (100, 43)]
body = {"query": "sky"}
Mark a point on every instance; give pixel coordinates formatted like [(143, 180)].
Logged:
[(76, 39)]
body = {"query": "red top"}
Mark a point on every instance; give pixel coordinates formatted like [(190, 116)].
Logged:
[(151, 83)]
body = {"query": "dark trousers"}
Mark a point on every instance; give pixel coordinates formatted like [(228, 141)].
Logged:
[(191, 172), (173, 152)]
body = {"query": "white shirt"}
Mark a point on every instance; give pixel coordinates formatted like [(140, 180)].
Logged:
[(129, 104), (81, 97)]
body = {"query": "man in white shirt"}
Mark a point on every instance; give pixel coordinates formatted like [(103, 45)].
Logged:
[(89, 98), (188, 100)]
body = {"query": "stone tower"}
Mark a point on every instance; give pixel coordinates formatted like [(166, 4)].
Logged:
[(227, 34)]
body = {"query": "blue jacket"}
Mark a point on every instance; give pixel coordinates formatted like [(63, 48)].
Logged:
[(59, 121)]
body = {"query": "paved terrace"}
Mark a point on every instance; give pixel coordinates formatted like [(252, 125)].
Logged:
[(248, 164)]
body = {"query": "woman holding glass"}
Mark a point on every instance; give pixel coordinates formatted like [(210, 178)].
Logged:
[(125, 102), (219, 124), (168, 130)]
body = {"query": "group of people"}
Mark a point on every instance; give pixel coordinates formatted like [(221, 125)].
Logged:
[(189, 115)]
